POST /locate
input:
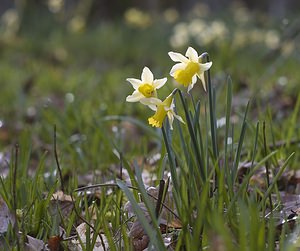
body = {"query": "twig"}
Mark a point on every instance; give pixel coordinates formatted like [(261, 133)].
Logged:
[(278, 144), (131, 187), (282, 143), (160, 197), (57, 162)]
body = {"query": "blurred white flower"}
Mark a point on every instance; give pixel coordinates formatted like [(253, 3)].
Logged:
[(272, 39), (171, 15), (180, 36), (55, 6), (10, 22), (137, 18)]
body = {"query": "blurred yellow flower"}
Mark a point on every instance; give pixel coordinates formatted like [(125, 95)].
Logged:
[(55, 6), (171, 15), (163, 109), (77, 24), (9, 23), (189, 68), (145, 89), (137, 18)]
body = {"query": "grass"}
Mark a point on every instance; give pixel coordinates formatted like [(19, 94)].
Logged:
[(77, 83)]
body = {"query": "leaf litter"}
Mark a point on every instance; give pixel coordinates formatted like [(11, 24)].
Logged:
[(62, 204)]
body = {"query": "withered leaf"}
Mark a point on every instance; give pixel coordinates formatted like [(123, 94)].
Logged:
[(6, 217), (167, 216), (61, 202), (33, 244), (54, 243), (81, 233)]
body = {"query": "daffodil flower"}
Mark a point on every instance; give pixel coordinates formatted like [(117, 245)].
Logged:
[(189, 68), (163, 109), (145, 89)]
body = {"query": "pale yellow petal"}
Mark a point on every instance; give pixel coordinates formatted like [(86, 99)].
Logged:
[(171, 119), (158, 83), (135, 97), (202, 78), (153, 107), (205, 67), (150, 101), (134, 82), (177, 57), (192, 54), (147, 76), (179, 118)]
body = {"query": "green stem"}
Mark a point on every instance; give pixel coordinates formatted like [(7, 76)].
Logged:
[(212, 112), (193, 138), (171, 159), (267, 164)]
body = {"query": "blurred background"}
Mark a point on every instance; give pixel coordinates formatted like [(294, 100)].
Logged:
[(65, 62)]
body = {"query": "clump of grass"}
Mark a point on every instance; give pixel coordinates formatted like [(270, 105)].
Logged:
[(211, 203), (214, 207)]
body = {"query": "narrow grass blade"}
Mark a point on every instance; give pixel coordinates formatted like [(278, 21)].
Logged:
[(228, 114), (240, 145), (193, 138), (212, 113), (171, 160), (255, 146), (293, 122)]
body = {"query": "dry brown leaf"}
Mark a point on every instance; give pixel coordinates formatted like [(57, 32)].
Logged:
[(167, 218), (6, 217), (33, 244), (5, 133), (129, 209), (258, 179), (140, 239), (81, 232), (54, 243), (288, 215), (59, 195), (290, 181), (4, 164), (61, 203)]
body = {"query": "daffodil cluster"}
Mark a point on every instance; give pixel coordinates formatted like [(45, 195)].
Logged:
[(185, 72)]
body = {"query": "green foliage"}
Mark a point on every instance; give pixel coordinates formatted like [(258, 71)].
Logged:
[(76, 81)]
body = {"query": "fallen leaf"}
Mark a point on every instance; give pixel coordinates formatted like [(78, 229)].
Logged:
[(81, 233), (54, 243), (6, 217), (61, 203), (33, 244), (4, 164), (140, 239), (168, 212)]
